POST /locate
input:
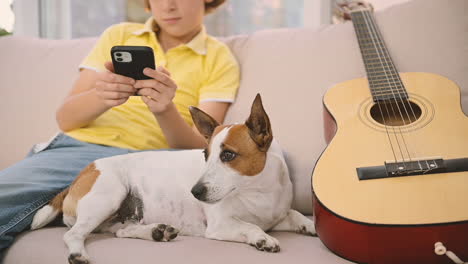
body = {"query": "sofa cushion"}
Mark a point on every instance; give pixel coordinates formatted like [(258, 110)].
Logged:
[(46, 246), (293, 68), (35, 76)]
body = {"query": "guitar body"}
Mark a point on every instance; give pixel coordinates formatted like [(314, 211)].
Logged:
[(392, 220)]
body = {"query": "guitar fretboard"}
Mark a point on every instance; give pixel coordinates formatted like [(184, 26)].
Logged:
[(384, 80)]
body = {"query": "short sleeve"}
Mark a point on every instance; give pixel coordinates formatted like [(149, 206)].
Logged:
[(100, 53), (222, 81)]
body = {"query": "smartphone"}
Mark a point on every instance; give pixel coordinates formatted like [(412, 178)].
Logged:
[(131, 60)]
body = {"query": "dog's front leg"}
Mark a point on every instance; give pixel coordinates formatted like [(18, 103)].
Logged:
[(156, 232), (236, 230), (296, 222)]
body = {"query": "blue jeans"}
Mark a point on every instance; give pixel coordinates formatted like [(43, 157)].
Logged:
[(31, 183)]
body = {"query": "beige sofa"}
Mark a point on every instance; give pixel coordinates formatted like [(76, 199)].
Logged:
[(291, 68)]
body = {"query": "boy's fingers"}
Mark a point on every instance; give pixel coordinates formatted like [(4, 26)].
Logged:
[(159, 76), (119, 87), (117, 78), (150, 83), (162, 69), (109, 66), (148, 92), (116, 95)]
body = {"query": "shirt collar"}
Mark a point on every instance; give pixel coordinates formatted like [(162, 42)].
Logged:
[(197, 44)]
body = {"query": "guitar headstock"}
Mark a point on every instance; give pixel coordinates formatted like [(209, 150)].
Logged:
[(343, 8)]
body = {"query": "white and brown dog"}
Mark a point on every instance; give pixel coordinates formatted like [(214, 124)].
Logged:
[(236, 192)]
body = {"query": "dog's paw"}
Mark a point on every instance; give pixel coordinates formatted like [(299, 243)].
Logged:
[(164, 232), (267, 243), (307, 229), (77, 258)]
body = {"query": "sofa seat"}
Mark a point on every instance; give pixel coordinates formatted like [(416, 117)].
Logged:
[(46, 246)]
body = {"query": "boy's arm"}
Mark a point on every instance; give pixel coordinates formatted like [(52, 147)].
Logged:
[(179, 134), (158, 94), (216, 95), (97, 88), (82, 105), (93, 94)]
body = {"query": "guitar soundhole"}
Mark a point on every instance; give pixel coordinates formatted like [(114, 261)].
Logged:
[(395, 113)]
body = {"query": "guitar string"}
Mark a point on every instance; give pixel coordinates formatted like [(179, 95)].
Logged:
[(389, 63), (379, 103), (380, 47), (376, 46), (380, 108)]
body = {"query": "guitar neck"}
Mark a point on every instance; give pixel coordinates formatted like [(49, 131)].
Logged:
[(384, 80)]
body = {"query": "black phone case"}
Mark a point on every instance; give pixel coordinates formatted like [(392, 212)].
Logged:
[(142, 57)]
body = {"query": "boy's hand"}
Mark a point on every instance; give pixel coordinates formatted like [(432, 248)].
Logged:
[(112, 88), (158, 92)]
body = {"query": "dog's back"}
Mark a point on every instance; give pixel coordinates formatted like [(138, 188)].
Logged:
[(160, 179)]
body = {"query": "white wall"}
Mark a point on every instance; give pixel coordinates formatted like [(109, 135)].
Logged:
[(383, 4), (55, 19), (317, 12), (42, 18), (26, 18)]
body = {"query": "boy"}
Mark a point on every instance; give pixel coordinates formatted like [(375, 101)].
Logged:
[(100, 117)]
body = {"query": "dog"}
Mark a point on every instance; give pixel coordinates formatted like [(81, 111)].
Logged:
[(234, 190)]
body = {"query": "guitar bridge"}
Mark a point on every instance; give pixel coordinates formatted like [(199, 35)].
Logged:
[(415, 167), (410, 168)]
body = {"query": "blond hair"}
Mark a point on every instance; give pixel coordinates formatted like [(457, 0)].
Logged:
[(209, 7)]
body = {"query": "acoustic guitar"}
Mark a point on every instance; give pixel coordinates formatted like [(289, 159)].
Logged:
[(392, 185)]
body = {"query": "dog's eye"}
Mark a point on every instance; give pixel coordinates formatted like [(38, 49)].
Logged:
[(227, 155)]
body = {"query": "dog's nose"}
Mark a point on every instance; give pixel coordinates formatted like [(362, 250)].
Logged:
[(199, 191)]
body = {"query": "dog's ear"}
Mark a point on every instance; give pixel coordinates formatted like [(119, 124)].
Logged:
[(259, 125), (204, 122)]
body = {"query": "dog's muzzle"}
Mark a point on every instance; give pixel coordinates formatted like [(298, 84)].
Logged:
[(199, 191)]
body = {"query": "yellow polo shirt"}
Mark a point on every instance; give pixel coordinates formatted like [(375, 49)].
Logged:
[(204, 69)]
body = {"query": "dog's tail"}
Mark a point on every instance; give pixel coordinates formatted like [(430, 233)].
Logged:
[(49, 212)]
